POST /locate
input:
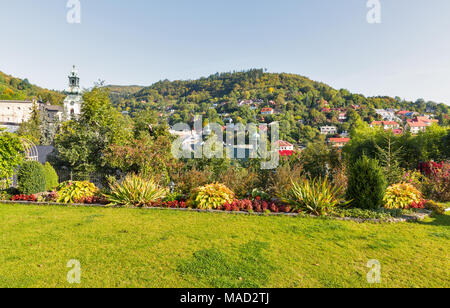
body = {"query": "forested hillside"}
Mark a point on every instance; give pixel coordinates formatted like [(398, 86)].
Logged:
[(298, 102), (12, 88)]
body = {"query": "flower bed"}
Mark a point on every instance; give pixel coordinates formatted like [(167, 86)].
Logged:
[(246, 205), (30, 198)]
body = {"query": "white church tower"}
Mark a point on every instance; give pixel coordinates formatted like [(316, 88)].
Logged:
[(74, 99)]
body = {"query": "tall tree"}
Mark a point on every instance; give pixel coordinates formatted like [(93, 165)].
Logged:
[(389, 158), (81, 143)]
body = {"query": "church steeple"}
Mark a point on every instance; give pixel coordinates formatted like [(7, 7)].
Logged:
[(74, 82), (74, 99)]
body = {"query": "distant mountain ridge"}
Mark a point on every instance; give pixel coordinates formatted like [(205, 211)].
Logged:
[(256, 84)]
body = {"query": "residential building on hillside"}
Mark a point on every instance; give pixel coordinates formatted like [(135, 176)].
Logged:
[(343, 116), (338, 142), (416, 127), (267, 111), (426, 119), (420, 124), (385, 124), (328, 130), (284, 145), (285, 148), (405, 114), (387, 115)]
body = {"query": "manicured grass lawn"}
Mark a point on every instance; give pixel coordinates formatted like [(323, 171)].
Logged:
[(151, 248)]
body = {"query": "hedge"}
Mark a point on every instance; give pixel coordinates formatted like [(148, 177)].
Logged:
[(31, 178)]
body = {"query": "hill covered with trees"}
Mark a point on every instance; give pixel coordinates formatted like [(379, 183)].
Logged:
[(298, 102), (12, 88)]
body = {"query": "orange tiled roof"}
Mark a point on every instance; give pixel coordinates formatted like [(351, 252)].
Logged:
[(339, 140)]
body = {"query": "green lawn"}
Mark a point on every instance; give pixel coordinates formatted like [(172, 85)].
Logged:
[(151, 248)]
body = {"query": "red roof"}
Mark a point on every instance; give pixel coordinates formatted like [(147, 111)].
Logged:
[(403, 112), (339, 140), (397, 131), (385, 123), (266, 109), (417, 124), (426, 120), (282, 143)]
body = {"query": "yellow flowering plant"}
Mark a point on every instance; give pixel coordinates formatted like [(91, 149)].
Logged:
[(212, 196), (402, 196)]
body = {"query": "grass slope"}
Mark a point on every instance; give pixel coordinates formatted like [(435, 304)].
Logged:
[(150, 248)]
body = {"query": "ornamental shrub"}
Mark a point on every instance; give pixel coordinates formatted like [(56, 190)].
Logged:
[(318, 197), (402, 196), (436, 184), (31, 178), (75, 192), (51, 178), (212, 196), (135, 191), (366, 184)]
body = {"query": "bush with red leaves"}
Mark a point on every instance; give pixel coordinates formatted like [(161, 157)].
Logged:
[(169, 204), (436, 185), (29, 198), (93, 200), (257, 206), (419, 205)]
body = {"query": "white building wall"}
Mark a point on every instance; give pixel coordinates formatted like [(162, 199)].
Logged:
[(15, 112)]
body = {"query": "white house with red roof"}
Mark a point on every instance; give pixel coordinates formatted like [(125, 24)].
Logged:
[(267, 111), (419, 124), (427, 120), (343, 116), (416, 127), (338, 142), (285, 148), (284, 145), (387, 125)]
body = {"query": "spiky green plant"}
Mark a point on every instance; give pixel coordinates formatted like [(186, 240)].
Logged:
[(317, 196), (135, 191)]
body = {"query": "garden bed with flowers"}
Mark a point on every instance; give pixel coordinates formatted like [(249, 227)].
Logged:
[(370, 199), (247, 207)]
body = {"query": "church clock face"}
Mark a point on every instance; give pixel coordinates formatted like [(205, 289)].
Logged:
[(72, 103)]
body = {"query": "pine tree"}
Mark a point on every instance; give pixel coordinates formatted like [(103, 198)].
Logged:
[(48, 128), (389, 160)]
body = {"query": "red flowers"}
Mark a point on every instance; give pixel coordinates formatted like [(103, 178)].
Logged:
[(29, 198)]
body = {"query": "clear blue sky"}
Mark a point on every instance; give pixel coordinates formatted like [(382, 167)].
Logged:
[(143, 41)]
